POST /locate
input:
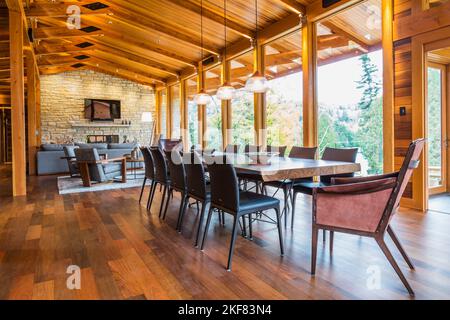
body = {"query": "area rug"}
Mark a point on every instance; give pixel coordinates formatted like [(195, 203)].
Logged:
[(67, 185)]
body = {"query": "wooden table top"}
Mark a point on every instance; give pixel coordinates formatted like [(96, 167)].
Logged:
[(291, 168)]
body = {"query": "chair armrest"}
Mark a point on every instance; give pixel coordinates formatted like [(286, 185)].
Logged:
[(348, 180)]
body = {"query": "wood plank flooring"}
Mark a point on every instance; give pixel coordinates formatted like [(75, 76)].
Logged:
[(126, 253)]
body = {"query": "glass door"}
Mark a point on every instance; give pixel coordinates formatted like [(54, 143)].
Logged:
[(437, 129)]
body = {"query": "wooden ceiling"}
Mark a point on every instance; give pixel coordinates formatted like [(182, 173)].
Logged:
[(154, 41)]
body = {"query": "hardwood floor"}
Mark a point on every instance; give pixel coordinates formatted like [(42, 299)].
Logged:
[(126, 253)]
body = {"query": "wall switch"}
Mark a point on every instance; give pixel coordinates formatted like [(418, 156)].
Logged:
[(403, 111)]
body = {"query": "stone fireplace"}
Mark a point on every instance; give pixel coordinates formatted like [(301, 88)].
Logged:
[(62, 108)]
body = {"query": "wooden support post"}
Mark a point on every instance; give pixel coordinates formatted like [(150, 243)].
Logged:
[(388, 85), (202, 125), (168, 113), (184, 115), (38, 110), (158, 112), (31, 113), (310, 109), (17, 103), (226, 108), (260, 112)]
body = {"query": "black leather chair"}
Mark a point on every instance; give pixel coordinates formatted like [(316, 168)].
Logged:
[(331, 154), (149, 175), (226, 196), (280, 149), (285, 185), (161, 176), (197, 188), (232, 148), (177, 180), (251, 148)]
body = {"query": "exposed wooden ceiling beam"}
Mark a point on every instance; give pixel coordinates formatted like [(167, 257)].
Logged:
[(61, 9), (63, 32), (211, 15), (337, 30), (293, 6)]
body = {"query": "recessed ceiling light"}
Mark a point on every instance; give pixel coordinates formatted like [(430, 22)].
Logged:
[(368, 36)]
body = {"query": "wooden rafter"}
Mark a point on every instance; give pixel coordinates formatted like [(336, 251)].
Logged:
[(293, 6), (233, 26)]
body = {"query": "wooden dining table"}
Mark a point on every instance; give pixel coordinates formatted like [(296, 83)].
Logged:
[(283, 168)]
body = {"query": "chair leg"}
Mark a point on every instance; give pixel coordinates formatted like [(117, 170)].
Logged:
[(331, 240), (280, 231), (223, 218), (244, 227), (151, 195), (285, 192), (167, 202), (208, 221), (233, 242), (400, 247), (294, 198), (200, 223), (163, 197), (394, 264), (183, 202), (142, 189), (315, 236), (250, 228), (324, 235)]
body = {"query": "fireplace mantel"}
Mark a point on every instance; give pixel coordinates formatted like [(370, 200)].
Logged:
[(100, 125)]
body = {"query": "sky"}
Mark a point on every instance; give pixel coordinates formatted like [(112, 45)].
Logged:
[(336, 81)]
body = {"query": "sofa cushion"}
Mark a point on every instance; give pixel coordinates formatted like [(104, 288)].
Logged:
[(93, 145), (122, 145), (51, 147)]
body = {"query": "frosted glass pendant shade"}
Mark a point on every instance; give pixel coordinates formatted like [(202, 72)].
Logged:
[(202, 98), (226, 92), (257, 83)]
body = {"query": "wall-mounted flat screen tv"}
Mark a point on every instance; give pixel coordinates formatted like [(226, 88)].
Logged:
[(101, 110)]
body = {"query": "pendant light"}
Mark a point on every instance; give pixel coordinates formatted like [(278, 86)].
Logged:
[(202, 98), (257, 83), (226, 91)]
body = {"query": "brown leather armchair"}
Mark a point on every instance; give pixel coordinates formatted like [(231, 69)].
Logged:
[(364, 206)]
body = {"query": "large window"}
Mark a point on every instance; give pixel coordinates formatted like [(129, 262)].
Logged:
[(283, 64), (192, 112), (163, 113), (350, 83), (176, 112), (242, 104), (213, 134)]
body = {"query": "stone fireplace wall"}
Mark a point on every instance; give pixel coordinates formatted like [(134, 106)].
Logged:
[(62, 106)]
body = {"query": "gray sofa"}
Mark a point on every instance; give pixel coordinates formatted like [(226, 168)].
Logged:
[(49, 156)]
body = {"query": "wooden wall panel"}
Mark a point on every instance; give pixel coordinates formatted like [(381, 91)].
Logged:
[(402, 92)]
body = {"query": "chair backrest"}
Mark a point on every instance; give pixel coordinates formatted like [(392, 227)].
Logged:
[(224, 184), (280, 149), (170, 144), (410, 163), (176, 169), (232, 148), (159, 162), (96, 171), (303, 152), (251, 148), (148, 163), (195, 175), (339, 154), (69, 151)]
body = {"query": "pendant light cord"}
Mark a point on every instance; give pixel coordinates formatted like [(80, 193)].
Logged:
[(201, 30), (225, 27)]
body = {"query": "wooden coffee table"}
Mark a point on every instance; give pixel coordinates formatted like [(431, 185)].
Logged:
[(134, 165)]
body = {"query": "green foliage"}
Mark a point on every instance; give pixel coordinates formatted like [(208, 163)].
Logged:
[(434, 117)]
